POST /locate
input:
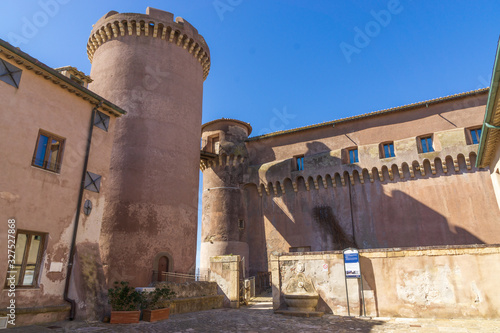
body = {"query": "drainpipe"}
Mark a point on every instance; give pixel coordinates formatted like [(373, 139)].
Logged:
[(77, 218), (352, 216)]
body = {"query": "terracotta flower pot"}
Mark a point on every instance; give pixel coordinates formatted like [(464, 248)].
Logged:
[(125, 317), (155, 315)]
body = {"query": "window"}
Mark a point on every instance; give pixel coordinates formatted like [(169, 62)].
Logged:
[(48, 151), (353, 155), (475, 135), (388, 150), (299, 163), (101, 120), (426, 144), (75, 79), (10, 74), (300, 249), (241, 224), (215, 145), (29, 251)]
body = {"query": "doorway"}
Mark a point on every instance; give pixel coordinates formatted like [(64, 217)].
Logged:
[(162, 268)]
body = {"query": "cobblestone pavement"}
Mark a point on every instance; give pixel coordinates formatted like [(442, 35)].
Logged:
[(259, 317)]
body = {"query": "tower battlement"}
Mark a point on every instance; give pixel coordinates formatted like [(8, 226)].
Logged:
[(154, 24)]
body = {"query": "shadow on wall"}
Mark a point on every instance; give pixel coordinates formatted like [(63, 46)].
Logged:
[(326, 206)]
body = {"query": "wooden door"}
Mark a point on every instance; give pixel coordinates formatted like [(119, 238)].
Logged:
[(162, 267)]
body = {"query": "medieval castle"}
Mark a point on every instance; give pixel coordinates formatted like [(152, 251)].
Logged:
[(102, 180)]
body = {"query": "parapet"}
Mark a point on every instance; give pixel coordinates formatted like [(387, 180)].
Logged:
[(224, 123), (154, 24)]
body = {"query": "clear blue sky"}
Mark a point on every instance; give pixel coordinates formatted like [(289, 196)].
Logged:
[(283, 64)]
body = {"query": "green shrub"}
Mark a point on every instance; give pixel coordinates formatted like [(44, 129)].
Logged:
[(124, 298), (157, 299)]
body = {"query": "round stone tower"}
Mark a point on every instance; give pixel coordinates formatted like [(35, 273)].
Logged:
[(224, 163), (153, 67)]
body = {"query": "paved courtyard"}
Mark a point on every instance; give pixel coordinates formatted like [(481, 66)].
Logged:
[(259, 317)]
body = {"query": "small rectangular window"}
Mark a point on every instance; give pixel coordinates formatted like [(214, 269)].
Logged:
[(353, 155), (300, 249), (215, 145), (48, 151), (101, 120), (388, 150), (75, 79), (475, 135), (241, 224), (426, 144), (27, 262), (299, 163)]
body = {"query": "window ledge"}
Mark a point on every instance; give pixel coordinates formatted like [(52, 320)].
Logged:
[(429, 154), (45, 170)]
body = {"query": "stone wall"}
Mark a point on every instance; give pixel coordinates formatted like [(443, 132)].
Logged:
[(444, 282), (191, 289), (225, 270), (194, 296)]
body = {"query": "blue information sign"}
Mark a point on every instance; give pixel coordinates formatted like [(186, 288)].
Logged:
[(351, 263)]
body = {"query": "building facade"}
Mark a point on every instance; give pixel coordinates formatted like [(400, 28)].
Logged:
[(402, 177), (133, 215), (56, 137)]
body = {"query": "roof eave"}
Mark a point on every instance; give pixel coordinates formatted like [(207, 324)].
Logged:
[(110, 107), (488, 115)]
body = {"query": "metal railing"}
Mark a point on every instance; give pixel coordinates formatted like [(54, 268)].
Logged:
[(179, 277)]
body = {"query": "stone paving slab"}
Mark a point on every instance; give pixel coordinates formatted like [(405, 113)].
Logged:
[(260, 318)]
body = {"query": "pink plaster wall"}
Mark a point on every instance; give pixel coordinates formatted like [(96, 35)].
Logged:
[(153, 202), (40, 200)]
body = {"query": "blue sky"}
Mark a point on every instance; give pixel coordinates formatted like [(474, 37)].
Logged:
[(283, 64)]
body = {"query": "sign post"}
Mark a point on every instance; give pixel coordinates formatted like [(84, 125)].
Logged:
[(352, 270)]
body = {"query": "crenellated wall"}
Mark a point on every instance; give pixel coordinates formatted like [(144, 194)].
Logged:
[(411, 199), (155, 24)]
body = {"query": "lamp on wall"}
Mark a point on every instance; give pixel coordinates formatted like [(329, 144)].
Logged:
[(87, 207)]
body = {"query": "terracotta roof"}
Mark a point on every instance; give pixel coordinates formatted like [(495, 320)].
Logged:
[(375, 113)]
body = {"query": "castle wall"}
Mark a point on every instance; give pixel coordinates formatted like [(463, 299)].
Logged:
[(411, 199)]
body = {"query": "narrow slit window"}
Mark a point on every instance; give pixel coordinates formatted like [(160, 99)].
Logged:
[(215, 145), (299, 163), (353, 156)]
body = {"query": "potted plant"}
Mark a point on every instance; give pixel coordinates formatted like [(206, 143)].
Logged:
[(125, 302), (156, 304)]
